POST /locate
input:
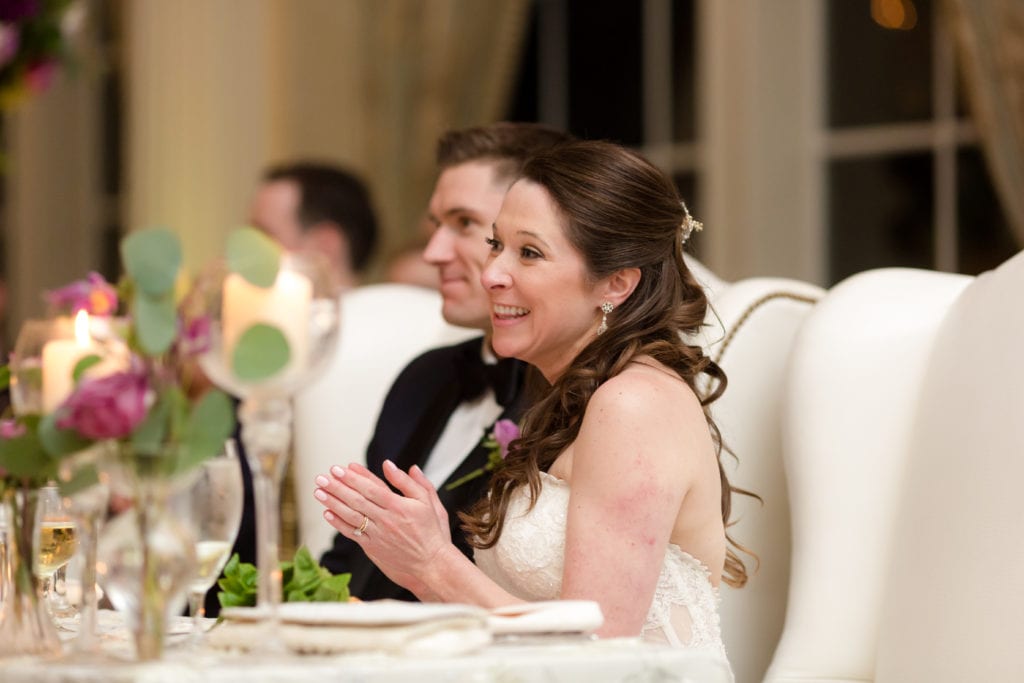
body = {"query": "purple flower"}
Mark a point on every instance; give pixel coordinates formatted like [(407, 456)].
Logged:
[(505, 432), (11, 429), (195, 338), (94, 295), (10, 39), (108, 407)]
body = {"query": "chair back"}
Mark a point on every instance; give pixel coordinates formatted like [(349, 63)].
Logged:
[(853, 387), (750, 334), (953, 605), (383, 327)]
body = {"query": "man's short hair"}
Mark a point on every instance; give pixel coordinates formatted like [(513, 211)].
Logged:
[(507, 144), (328, 193)]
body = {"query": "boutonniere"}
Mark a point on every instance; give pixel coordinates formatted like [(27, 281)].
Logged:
[(496, 441)]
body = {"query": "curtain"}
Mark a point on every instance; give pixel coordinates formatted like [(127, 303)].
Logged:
[(990, 41), (431, 65)]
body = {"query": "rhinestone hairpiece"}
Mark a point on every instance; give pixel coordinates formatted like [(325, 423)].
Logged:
[(689, 225)]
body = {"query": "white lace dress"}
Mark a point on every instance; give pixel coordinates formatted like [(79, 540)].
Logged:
[(528, 558)]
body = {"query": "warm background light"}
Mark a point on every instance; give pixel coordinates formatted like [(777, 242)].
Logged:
[(900, 15)]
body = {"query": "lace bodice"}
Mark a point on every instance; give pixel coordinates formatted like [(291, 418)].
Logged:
[(528, 558)]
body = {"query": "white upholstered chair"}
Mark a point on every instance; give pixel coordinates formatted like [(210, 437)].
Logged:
[(750, 336), (903, 441), (383, 327)]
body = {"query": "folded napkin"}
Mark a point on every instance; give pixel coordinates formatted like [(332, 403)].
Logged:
[(382, 626), (551, 616)]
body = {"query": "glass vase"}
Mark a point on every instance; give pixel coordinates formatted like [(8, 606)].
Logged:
[(25, 624), (147, 555)]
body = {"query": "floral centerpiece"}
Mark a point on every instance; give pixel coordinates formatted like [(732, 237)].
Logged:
[(33, 43), (127, 387)]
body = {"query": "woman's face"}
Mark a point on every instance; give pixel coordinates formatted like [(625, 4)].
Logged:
[(544, 308)]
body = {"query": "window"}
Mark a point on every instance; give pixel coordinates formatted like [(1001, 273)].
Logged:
[(906, 182)]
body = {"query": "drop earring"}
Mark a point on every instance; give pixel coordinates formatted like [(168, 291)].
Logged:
[(606, 308)]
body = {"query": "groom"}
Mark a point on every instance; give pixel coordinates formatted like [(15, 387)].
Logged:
[(445, 401)]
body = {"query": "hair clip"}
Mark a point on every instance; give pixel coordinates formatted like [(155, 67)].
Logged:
[(689, 225)]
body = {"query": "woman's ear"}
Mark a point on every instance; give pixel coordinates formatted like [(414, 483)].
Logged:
[(620, 284)]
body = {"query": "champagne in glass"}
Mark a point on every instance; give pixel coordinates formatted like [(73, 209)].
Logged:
[(57, 543), (58, 540), (214, 506)]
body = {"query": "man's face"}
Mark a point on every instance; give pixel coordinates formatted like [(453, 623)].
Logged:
[(462, 209), (275, 211)]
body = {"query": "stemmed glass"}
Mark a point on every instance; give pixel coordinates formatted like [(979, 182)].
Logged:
[(213, 504), (268, 335), (58, 538)]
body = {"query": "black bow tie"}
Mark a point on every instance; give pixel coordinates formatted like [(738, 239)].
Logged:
[(503, 377)]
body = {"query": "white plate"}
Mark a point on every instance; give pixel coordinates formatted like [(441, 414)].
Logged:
[(551, 616), (369, 613)]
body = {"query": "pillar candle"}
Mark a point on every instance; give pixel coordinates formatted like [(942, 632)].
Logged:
[(285, 305), (59, 358)]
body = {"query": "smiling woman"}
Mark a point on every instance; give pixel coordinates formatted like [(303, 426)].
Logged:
[(620, 454)]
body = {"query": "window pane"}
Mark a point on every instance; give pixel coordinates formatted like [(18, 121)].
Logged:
[(880, 214), (877, 75), (684, 57), (605, 70), (523, 101), (984, 235)]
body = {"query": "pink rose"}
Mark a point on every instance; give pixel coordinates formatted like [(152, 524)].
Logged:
[(94, 295), (11, 429), (195, 338), (109, 407), (505, 432)]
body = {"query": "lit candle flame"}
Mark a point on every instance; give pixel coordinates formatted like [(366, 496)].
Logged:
[(82, 328)]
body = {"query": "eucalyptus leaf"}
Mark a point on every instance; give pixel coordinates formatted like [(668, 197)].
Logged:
[(83, 365), (152, 259), (210, 423), (82, 478), (156, 322), (150, 435), (59, 442), (25, 457), (261, 352), (254, 256)]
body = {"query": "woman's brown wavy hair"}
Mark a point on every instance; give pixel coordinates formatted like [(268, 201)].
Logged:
[(619, 212)]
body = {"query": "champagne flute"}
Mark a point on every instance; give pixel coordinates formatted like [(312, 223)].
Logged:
[(58, 538), (214, 506)]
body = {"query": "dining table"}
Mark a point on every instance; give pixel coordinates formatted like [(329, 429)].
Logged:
[(527, 658)]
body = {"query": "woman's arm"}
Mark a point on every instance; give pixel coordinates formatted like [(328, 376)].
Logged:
[(632, 465), (407, 536)]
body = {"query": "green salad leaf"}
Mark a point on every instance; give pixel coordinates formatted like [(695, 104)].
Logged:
[(303, 580)]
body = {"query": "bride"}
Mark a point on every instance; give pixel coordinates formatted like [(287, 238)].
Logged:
[(615, 492)]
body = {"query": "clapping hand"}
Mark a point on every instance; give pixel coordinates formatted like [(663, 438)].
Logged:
[(402, 533)]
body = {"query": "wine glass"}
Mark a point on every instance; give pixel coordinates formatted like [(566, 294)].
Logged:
[(270, 330), (213, 504), (58, 539)]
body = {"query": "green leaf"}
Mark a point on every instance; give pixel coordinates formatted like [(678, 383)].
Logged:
[(5, 376), (261, 352), (59, 442), (254, 256), (156, 322), (150, 435), (238, 585), (152, 259), (82, 478), (333, 589), (84, 364), (25, 457), (210, 423)]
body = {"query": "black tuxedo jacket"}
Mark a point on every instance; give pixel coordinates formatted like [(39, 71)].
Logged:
[(414, 415)]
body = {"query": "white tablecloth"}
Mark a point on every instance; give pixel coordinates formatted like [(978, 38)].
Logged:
[(548, 659)]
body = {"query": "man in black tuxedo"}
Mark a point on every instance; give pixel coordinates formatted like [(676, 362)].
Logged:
[(447, 400)]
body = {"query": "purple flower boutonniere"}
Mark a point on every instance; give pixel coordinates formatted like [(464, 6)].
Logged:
[(504, 433)]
